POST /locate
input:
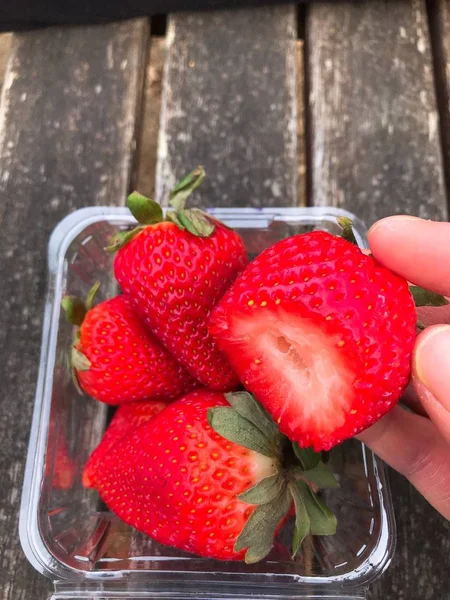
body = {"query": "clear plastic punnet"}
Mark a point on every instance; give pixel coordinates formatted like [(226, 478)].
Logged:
[(87, 552)]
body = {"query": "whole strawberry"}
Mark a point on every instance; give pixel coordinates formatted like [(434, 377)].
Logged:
[(175, 271), (321, 334), (127, 417), (213, 480), (116, 359)]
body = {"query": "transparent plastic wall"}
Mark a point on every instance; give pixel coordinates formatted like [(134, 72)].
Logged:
[(71, 537)]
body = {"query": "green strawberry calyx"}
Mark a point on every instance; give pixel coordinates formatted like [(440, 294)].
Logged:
[(346, 225), (421, 296), (148, 212), (300, 473), (76, 310), (424, 297)]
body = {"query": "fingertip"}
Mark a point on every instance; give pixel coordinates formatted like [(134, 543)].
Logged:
[(388, 235), (391, 224), (416, 249), (431, 361)]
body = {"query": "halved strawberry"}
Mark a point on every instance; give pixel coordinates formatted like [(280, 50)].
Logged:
[(321, 334)]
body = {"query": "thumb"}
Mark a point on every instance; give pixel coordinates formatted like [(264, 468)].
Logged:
[(431, 375)]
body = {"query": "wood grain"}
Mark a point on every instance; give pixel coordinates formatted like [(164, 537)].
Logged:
[(375, 150), (439, 16), (374, 126), (229, 102), (5, 46), (67, 125)]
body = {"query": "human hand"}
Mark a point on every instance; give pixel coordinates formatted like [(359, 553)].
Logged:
[(418, 445)]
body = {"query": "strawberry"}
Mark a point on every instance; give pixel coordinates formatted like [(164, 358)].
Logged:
[(116, 359), (60, 466), (322, 334), (64, 469), (126, 418), (175, 271), (213, 479)]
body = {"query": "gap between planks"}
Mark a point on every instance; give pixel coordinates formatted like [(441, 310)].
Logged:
[(150, 117)]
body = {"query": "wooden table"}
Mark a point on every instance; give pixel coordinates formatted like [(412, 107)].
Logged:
[(340, 104)]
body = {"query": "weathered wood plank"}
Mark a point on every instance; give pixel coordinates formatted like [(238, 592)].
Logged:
[(229, 102), (374, 124), (5, 46), (439, 13), (375, 150), (67, 124)]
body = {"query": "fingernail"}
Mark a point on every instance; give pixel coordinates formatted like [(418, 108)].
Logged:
[(432, 360), (391, 222)]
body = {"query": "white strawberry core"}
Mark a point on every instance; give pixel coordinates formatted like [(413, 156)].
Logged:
[(306, 379)]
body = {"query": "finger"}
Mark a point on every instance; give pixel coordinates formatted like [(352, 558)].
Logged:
[(411, 401), (412, 446), (431, 373), (416, 249)]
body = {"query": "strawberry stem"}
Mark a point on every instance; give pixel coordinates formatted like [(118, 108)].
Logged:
[(91, 295), (347, 230), (184, 189), (264, 491), (322, 520), (148, 212), (79, 361), (193, 220), (122, 238), (424, 297), (302, 520), (145, 210), (299, 473), (75, 309), (321, 476), (307, 457)]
